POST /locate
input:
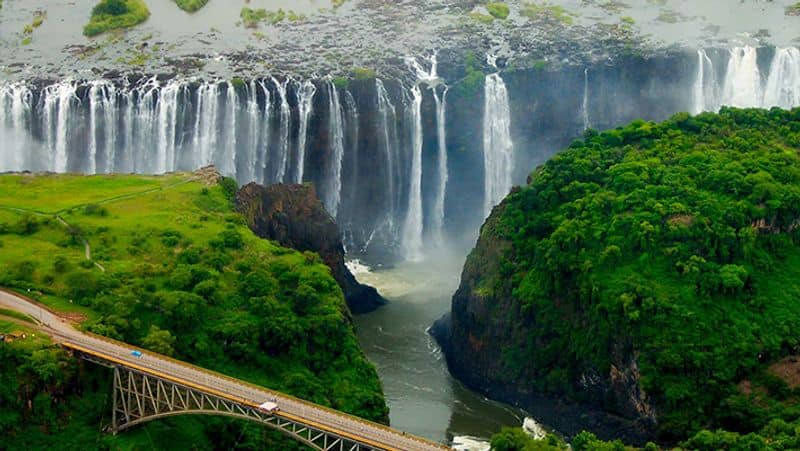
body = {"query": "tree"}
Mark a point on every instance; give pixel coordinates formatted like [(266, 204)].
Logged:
[(111, 8), (160, 341)]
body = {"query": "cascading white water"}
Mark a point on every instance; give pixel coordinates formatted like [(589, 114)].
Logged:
[(498, 149), (387, 115), (783, 85), (412, 228), (205, 128), (167, 127), (15, 110), (705, 85), (585, 105), (283, 133), (305, 102), (263, 148), (249, 159), (441, 192), (332, 195), (742, 86), (226, 162), (59, 101)]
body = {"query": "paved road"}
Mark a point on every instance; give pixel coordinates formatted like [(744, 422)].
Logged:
[(62, 332)]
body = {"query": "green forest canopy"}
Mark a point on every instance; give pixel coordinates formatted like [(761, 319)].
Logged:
[(173, 269), (678, 240)]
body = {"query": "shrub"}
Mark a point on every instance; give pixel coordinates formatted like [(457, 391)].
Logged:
[(498, 10), (111, 8), (116, 14), (191, 5), (95, 210)]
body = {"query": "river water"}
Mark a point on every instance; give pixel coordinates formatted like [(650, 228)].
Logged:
[(422, 396)]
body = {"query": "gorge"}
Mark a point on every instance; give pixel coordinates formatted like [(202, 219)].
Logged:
[(411, 122)]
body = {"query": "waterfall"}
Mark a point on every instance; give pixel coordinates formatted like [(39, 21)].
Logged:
[(205, 131), (387, 115), (783, 85), (305, 102), (15, 108), (226, 162), (742, 86), (167, 127), (585, 106), (283, 134), (438, 206), (705, 85), (498, 150), (333, 190), (412, 228), (59, 100), (249, 159)]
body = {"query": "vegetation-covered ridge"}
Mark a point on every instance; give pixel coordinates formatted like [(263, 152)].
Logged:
[(191, 5), (115, 15), (166, 264), (656, 270)]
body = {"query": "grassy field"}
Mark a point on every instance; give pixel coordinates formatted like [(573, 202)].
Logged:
[(174, 269)]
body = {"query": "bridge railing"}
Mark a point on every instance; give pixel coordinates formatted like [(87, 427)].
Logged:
[(232, 379), (265, 389)]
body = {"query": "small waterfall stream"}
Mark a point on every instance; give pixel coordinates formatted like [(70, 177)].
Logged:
[(305, 101), (498, 149)]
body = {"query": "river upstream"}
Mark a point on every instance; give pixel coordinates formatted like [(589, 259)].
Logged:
[(422, 396)]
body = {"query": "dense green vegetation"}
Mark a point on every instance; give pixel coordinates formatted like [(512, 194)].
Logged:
[(778, 435), (252, 17), (536, 10), (191, 5), (498, 10), (675, 244), (114, 15), (173, 269)]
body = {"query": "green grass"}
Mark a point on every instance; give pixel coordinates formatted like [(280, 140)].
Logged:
[(793, 10), (179, 259), (17, 315), (128, 14), (363, 73), (498, 10), (482, 18), (191, 5), (252, 17), (545, 10)]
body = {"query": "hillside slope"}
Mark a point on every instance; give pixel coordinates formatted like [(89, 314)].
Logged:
[(650, 272), (165, 263)]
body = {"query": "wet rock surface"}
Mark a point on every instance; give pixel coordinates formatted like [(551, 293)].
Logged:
[(293, 216), (485, 325), (374, 34)]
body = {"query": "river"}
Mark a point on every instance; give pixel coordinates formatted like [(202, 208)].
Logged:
[(423, 398)]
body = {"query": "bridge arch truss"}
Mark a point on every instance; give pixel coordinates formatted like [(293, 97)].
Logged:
[(139, 398)]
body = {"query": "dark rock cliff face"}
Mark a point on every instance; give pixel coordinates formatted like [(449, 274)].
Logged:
[(293, 216), (486, 325)]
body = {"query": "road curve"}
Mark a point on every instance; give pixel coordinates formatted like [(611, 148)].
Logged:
[(333, 421)]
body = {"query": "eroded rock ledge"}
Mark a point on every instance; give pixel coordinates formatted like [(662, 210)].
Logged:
[(293, 216)]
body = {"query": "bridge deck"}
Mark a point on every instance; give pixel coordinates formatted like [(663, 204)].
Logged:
[(119, 354)]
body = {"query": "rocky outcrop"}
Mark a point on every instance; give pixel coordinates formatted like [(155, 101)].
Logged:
[(487, 326), (293, 216)]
